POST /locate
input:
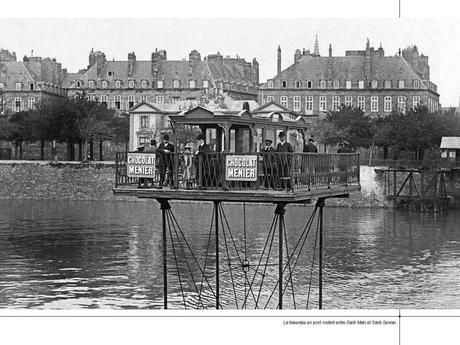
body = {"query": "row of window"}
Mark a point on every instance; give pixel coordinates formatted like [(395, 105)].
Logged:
[(336, 101), (117, 102), (360, 84), (19, 86), (118, 84), (18, 103)]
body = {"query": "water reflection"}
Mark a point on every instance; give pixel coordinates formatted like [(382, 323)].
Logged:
[(56, 254)]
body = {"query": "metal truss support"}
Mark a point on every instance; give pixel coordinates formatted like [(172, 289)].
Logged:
[(216, 222), (320, 204), (280, 211), (164, 205)]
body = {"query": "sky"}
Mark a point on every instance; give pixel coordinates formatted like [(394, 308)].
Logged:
[(70, 40)]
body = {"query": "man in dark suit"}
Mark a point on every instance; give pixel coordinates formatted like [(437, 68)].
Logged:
[(310, 147), (284, 151), (166, 155), (269, 164), (203, 163)]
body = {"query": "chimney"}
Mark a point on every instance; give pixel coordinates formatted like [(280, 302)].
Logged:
[(330, 50), (246, 106), (297, 55), (131, 63), (158, 56), (255, 71), (278, 70)]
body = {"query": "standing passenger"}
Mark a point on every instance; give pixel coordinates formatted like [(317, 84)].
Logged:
[(202, 165), (269, 164), (284, 150), (166, 151), (188, 163)]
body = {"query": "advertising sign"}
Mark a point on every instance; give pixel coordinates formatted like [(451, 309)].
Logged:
[(141, 165), (241, 168)]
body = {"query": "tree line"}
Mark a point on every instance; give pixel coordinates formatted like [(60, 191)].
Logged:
[(415, 131), (76, 121)]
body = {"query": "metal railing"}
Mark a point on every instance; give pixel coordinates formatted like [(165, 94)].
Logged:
[(272, 171), (442, 163)]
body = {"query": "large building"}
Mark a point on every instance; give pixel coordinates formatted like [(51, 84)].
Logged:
[(24, 84), (162, 82), (378, 84)]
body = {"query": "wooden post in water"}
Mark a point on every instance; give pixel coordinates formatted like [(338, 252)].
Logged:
[(320, 204), (280, 210), (216, 217), (164, 207)]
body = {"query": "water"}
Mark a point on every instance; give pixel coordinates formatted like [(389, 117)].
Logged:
[(67, 255)]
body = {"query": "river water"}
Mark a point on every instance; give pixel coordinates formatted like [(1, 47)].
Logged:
[(68, 255)]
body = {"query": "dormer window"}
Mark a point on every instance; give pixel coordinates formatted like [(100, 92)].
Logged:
[(117, 84), (104, 84), (192, 84), (176, 84), (131, 84), (110, 73), (374, 84), (2, 86), (18, 86), (205, 84), (322, 84), (387, 84), (297, 84), (78, 84), (270, 84), (160, 84), (144, 84), (348, 84), (284, 84), (401, 84), (91, 84), (31, 86), (336, 84), (417, 84), (361, 84), (309, 84)]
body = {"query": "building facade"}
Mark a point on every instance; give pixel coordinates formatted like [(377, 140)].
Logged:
[(162, 82), (24, 84), (378, 84)]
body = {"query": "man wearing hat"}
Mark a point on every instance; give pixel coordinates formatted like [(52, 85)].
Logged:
[(269, 164), (284, 150), (166, 157), (188, 163), (310, 147), (203, 164)]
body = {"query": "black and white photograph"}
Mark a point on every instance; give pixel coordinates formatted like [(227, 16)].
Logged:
[(234, 165)]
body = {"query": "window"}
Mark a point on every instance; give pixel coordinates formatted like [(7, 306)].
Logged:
[(144, 98), (160, 84), (192, 84), (401, 84), (131, 101), (143, 140), (348, 84), (117, 84), (91, 84), (144, 84), (322, 103), (2, 86), (387, 104), (145, 121), (105, 84), (387, 84), (284, 84), (131, 84), (374, 84), (322, 84), (31, 103), (205, 84), (296, 103), (104, 99), (117, 102), (270, 84), (270, 98), (309, 84), (361, 84), (159, 99), (284, 101), (110, 73), (176, 83), (175, 99), (92, 98), (233, 86), (335, 103), (190, 99), (18, 86), (309, 105), (374, 104), (362, 103), (17, 104), (336, 84), (31, 86), (348, 101), (416, 84), (415, 101)]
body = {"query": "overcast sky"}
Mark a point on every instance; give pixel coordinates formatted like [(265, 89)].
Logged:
[(70, 40)]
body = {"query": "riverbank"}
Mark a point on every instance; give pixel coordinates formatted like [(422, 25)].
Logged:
[(44, 180)]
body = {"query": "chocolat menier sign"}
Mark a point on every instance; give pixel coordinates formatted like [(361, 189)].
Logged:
[(241, 168)]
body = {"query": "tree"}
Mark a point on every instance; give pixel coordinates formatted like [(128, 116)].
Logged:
[(20, 130)]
